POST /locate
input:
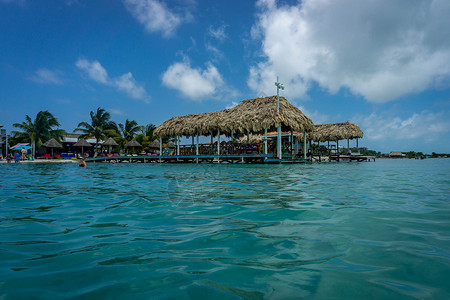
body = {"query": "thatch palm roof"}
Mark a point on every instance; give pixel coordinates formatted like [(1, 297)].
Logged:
[(253, 139), (154, 144), (82, 143), (252, 115), (133, 143), (52, 143), (335, 132), (170, 144), (110, 142)]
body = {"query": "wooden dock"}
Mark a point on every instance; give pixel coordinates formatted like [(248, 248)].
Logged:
[(233, 159)]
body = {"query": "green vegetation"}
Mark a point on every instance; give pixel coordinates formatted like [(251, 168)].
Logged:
[(37, 131)]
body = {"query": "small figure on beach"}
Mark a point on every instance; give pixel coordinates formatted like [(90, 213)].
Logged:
[(17, 157), (82, 163), (9, 158)]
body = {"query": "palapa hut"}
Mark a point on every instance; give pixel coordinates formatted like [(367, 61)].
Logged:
[(336, 132), (110, 142), (52, 143), (250, 116)]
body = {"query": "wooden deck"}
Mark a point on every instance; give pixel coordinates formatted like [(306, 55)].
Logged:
[(233, 159)]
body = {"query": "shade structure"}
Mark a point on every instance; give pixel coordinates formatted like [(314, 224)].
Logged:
[(133, 144), (335, 132), (155, 144), (52, 143), (19, 146), (82, 143), (110, 142), (170, 144), (252, 115)]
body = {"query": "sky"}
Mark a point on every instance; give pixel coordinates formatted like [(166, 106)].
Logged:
[(382, 64)]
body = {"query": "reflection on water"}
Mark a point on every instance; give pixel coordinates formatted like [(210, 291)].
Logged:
[(348, 230)]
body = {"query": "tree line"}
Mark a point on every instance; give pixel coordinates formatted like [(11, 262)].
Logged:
[(99, 127)]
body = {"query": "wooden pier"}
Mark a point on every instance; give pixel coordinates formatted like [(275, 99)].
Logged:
[(233, 159)]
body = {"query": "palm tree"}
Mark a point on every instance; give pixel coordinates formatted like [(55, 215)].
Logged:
[(99, 128), (147, 130), (39, 130), (129, 130)]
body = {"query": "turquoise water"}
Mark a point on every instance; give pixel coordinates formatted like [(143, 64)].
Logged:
[(377, 230)]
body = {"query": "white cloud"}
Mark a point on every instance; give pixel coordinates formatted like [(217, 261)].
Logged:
[(315, 116), (125, 83), (94, 70), (424, 125), (155, 16), (193, 83), (379, 49), (218, 33), (47, 76), (117, 112)]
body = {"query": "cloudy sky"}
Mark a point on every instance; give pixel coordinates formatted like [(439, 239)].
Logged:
[(382, 64)]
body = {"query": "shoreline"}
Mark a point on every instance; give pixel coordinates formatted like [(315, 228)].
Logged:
[(40, 161)]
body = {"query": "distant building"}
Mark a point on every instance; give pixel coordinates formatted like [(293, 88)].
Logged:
[(396, 154)]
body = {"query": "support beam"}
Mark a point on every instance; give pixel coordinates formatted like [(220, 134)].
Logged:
[(232, 142), (291, 147), (265, 141), (160, 148), (348, 146), (218, 146), (357, 148), (304, 144), (196, 146), (279, 152), (178, 145)]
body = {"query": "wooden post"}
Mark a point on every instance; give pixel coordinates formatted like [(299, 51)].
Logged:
[(348, 146), (291, 147), (178, 145), (357, 148), (218, 146), (160, 148), (212, 142), (304, 144), (232, 142), (196, 148), (280, 153), (265, 142)]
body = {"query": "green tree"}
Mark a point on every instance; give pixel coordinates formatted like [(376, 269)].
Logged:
[(39, 130), (129, 130), (100, 126)]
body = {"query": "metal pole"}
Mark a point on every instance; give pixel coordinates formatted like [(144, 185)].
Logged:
[(6, 145)]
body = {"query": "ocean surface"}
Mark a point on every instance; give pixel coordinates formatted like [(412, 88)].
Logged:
[(372, 230)]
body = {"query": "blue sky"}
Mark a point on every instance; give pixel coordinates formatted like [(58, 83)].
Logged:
[(382, 64)]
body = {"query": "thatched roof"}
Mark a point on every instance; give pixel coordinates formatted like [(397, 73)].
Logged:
[(82, 143), (253, 139), (335, 132), (170, 144), (52, 143), (133, 143), (252, 115), (154, 144), (110, 142)]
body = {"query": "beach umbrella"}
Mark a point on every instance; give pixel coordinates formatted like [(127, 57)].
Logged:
[(19, 146), (52, 143), (82, 143), (154, 144), (133, 143), (110, 142)]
